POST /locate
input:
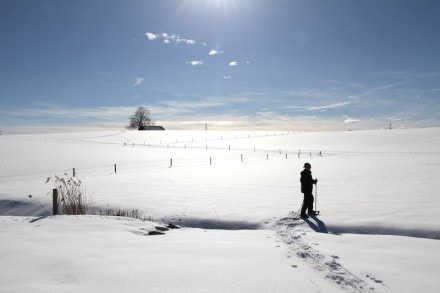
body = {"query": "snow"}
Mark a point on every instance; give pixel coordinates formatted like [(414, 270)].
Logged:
[(236, 194)]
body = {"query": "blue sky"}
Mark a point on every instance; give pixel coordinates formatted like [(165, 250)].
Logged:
[(236, 64)]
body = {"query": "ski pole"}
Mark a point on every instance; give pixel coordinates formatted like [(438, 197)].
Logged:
[(316, 196)]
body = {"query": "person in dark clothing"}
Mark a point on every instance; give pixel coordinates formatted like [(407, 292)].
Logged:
[(307, 189)]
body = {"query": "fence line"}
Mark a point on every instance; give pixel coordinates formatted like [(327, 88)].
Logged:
[(239, 157)]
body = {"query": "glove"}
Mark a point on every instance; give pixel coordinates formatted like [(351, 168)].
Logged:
[(316, 181)]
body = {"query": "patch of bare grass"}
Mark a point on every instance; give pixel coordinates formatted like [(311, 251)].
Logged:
[(72, 200)]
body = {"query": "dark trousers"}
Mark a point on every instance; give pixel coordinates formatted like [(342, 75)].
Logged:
[(307, 203)]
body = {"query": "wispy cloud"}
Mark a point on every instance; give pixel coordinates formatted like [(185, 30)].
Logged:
[(151, 36), (233, 63), (317, 108), (61, 116), (196, 62), (215, 52), (325, 107), (196, 104), (170, 38), (349, 120), (138, 81), (185, 41)]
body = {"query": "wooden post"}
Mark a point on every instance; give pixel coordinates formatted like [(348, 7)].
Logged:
[(55, 201), (242, 158), (267, 157), (171, 163), (74, 173), (210, 161), (115, 168)]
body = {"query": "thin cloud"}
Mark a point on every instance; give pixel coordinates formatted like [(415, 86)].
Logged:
[(233, 63), (331, 106), (151, 36), (317, 108), (349, 120), (196, 62), (138, 81), (170, 38), (215, 52), (101, 113), (192, 105), (186, 41)]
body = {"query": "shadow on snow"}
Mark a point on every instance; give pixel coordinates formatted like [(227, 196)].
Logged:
[(23, 208), (319, 226), (371, 230), (217, 224)]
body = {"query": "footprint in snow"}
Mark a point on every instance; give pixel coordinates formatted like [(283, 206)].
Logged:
[(374, 279)]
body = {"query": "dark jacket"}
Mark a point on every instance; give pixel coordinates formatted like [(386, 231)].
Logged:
[(307, 182)]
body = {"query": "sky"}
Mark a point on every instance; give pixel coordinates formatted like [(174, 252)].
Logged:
[(233, 64)]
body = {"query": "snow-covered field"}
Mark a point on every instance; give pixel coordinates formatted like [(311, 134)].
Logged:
[(237, 195)]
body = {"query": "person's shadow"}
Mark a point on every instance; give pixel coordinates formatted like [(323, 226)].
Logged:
[(316, 224)]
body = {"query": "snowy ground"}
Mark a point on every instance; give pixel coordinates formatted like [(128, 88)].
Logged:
[(237, 195)]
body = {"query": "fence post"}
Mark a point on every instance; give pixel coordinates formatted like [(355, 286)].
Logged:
[(55, 201), (115, 168), (171, 163), (210, 161), (74, 173), (242, 158)]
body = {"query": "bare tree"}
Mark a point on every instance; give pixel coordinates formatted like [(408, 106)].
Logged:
[(140, 119)]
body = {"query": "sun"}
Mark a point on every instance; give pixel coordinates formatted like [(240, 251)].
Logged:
[(220, 6)]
